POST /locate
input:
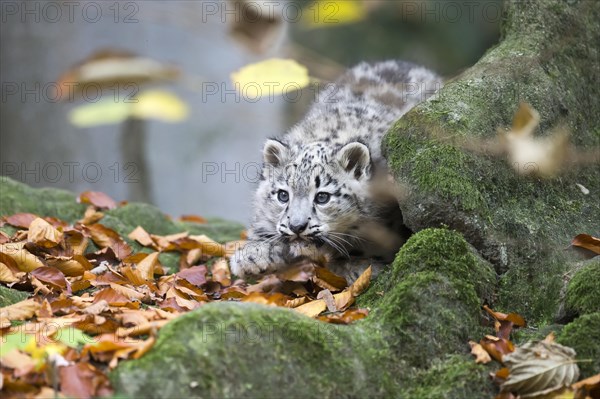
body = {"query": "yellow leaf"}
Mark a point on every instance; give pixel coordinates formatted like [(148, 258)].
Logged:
[(161, 105), (19, 311), (103, 112), (24, 260), (313, 308), (361, 282), (271, 77), (329, 13), (43, 233)]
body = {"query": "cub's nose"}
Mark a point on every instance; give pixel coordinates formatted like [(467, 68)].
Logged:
[(298, 228)]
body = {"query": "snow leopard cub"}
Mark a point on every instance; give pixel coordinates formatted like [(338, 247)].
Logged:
[(320, 194)]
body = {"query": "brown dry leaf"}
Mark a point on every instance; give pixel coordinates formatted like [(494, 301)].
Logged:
[(50, 276), (361, 283), (82, 380), (221, 273), (195, 275), (481, 355), (515, 318), (326, 279), (275, 299), (108, 238), (128, 292), (588, 242), (294, 303), (344, 299), (312, 309), (142, 236), (75, 242), (148, 266), (20, 220), (19, 311), (538, 368), (97, 308), (43, 234), (193, 218), (91, 216), (114, 298), (68, 266), (588, 388), (19, 361), (497, 347), (142, 329), (164, 242), (346, 317), (24, 260), (209, 246), (97, 199), (7, 275)]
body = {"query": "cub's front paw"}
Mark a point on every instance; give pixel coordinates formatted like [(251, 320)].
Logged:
[(251, 261)]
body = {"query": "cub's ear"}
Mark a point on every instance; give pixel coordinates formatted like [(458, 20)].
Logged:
[(356, 159), (275, 153)]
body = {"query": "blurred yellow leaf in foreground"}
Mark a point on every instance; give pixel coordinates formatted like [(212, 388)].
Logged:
[(151, 104), (274, 76)]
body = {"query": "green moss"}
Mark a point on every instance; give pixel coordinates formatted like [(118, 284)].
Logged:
[(278, 353), (8, 296), (583, 335), (428, 315), (583, 294), (17, 197), (454, 377), (445, 252), (434, 168)]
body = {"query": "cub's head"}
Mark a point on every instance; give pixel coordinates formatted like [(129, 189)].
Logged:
[(314, 192)]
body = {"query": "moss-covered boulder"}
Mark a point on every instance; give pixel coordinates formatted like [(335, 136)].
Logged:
[(422, 316), (519, 224), (583, 335), (583, 294)]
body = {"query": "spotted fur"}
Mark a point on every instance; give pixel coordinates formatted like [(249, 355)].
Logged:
[(316, 196)]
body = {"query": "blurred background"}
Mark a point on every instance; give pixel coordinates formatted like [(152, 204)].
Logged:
[(134, 98)]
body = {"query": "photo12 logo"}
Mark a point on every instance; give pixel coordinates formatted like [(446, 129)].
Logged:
[(69, 11)]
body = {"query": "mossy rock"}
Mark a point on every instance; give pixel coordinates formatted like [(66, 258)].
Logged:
[(454, 377), (583, 294), (583, 335), (8, 296), (519, 224), (446, 252), (270, 352)]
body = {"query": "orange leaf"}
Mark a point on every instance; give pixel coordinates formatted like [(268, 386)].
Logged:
[(24, 260), (361, 283), (326, 279), (515, 318), (221, 273), (481, 355), (147, 266), (192, 218), (140, 235), (43, 234), (312, 309), (18, 311), (105, 237), (588, 242), (98, 199)]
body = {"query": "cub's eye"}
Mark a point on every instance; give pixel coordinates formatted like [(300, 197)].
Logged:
[(283, 196), (322, 198)]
